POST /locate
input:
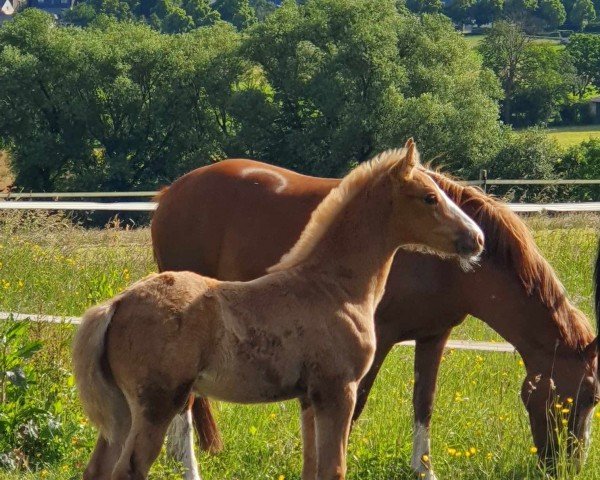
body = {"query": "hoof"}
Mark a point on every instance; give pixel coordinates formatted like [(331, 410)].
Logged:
[(427, 475)]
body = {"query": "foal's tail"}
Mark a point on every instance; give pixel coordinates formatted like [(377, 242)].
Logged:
[(102, 400)]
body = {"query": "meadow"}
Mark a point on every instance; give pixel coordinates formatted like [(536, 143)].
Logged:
[(570, 136), (480, 428)]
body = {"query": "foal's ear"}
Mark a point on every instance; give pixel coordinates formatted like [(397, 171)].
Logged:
[(410, 160)]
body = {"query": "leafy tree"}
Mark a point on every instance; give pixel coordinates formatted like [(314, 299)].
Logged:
[(582, 13), (581, 161), (486, 11), (236, 12), (503, 50), (263, 8), (350, 78), (584, 52), (544, 82), (527, 154), (112, 107), (552, 12), (424, 6)]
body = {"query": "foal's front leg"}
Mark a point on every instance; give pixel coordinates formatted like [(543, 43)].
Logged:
[(333, 416), (428, 355)]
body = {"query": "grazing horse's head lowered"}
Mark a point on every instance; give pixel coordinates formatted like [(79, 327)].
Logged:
[(562, 387)]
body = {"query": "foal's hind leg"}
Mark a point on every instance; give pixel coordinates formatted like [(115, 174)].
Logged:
[(142, 446), (105, 454), (103, 460)]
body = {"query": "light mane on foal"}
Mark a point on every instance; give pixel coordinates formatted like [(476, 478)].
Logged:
[(327, 211), (509, 242)]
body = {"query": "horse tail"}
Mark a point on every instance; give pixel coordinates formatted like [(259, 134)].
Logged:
[(103, 402), (209, 436)]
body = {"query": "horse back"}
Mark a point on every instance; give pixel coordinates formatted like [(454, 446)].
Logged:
[(234, 219)]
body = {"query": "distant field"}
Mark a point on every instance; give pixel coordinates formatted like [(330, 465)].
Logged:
[(474, 40), (569, 136)]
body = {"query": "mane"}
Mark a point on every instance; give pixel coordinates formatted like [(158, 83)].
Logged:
[(331, 206), (509, 242)]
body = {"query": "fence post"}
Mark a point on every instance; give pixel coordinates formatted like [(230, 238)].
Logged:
[(483, 178)]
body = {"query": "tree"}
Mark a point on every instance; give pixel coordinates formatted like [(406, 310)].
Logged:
[(350, 78), (544, 81), (581, 161), (528, 154), (584, 52), (424, 6), (552, 12), (113, 107), (503, 50), (582, 13), (236, 12)]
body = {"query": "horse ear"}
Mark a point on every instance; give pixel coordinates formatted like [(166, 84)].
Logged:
[(411, 159)]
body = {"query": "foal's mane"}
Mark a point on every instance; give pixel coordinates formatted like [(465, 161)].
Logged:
[(509, 242), (324, 215)]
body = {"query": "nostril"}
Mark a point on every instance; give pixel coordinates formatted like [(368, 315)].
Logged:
[(480, 240)]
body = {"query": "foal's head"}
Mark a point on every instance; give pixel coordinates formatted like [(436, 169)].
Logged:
[(424, 215)]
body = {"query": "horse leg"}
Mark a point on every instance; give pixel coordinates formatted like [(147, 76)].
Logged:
[(142, 446), (103, 459), (180, 442), (333, 416), (428, 355), (364, 388), (309, 447)]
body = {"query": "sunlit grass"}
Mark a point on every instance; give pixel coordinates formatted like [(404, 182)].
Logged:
[(569, 136), (480, 428)]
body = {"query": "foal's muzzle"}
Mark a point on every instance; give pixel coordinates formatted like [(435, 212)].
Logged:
[(470, 244)]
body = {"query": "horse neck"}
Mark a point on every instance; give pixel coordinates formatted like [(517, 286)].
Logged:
[(355, 250), (498, 298)]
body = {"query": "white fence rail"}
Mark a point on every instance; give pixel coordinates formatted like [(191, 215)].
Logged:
[(151, 206), (150, 194)]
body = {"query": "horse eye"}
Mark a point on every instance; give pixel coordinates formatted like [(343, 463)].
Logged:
[(431, 199)]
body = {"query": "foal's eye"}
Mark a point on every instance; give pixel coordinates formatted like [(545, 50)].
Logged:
[(431, 199)]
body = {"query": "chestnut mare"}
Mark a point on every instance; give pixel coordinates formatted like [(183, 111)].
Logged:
[(305, 330), (233, 219)]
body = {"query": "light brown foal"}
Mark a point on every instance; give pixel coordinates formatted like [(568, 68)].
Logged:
[(305, 330)]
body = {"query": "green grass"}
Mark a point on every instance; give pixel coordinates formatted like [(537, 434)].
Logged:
[(474, 40), (569, 136), (49, 266)]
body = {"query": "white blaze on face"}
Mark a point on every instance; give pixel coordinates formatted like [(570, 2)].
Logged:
[(279, 179)]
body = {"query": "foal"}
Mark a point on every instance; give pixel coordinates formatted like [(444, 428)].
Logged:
[(305, 330)]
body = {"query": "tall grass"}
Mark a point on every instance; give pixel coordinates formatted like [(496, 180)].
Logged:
[(480, 428)]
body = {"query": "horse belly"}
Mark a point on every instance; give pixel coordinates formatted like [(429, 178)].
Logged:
[(251, 382)]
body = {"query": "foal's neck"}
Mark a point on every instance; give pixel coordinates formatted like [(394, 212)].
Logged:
[(355, 252)]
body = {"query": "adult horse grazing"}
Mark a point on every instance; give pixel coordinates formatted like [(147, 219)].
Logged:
[(234, 219), (305, 330)]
